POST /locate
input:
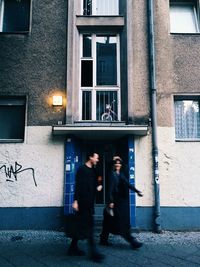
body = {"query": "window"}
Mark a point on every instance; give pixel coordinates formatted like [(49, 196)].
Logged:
[(12, 118), (184, 16), (100, 81), (100, 7), (187, 118), (14, 15)]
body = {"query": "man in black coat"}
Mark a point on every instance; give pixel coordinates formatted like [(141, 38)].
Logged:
[(84, 198)]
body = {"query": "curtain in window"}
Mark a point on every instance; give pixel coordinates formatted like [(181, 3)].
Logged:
[(106, 7), (187, 119)]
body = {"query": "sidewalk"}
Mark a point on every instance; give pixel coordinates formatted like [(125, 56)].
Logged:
[(46, 248)]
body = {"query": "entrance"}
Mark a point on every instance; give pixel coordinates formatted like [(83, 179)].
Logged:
[(106, 150), (75, 155)]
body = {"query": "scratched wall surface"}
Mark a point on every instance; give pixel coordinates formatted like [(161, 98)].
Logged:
[(32, 173), (179, 170)]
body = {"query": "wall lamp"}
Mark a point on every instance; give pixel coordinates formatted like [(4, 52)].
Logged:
[(57, 100)]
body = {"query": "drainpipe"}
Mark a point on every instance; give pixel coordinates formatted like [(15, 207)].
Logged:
[(153, 90)]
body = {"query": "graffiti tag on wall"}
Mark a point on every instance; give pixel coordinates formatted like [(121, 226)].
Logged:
[(12, 172)]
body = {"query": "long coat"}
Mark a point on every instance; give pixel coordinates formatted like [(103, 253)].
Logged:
[(119, 195), (85, 192)]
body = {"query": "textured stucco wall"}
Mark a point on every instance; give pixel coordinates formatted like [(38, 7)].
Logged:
[(143, 171), (46, 157), (179, 170), (137, 53), (35, 63)]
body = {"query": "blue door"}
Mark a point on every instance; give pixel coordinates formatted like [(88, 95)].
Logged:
[(73, 159)]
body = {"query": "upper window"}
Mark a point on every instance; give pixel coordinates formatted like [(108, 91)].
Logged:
[(184, 16), (100, 7), (14, 15), (187, 118), (12, 118), (100, 81)]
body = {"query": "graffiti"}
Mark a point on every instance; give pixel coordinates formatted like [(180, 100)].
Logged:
[(12, 172)]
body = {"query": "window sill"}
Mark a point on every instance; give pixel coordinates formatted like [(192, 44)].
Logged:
[(187, 140), (17, 33), (11, 141), (185, 33)]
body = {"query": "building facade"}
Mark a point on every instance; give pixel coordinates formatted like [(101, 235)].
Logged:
[(116, 76)]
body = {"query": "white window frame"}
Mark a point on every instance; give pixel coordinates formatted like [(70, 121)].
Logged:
[(95, 88), (185, 98), (195, 5)]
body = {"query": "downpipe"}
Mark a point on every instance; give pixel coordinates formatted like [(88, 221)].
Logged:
[(153, 96)]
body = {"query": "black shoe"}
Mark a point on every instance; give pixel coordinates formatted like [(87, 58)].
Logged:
[(136, 244), (75, 252), (97, 257)]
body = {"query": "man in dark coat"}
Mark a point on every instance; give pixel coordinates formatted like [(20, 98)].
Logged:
[(84, 198), (118, 200)]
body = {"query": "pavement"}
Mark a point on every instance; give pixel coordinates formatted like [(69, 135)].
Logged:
[(49, 248)]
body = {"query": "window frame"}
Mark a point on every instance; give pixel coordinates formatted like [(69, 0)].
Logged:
[(22, 100), (96, 88), (184, 98), (195, 4), (2, 3)]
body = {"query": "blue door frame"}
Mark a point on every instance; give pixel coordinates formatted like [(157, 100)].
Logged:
[(131, 164), (73, 159)]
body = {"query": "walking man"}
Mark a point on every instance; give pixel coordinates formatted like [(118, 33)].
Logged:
[(84, 198)]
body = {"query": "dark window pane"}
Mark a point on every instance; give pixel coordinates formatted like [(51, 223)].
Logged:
[(86, 73), (12, 121), (87, 7), (86, 106), (16, 15), (106, 60), (107, 106), (87, 46)]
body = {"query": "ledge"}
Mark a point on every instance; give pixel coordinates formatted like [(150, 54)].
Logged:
[(100, 22), (102, 131)]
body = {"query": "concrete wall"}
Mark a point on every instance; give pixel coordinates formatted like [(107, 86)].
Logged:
[(35, 64), (32, 174)]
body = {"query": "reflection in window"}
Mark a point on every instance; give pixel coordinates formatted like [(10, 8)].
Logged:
[(107, 106), (86, 73), (86, 105), (106, 60), (87, 46), (14, 15), (187, 119), (183, 17)]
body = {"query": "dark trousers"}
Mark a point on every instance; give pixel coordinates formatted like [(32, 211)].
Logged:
[(122, 231), (89, 228)]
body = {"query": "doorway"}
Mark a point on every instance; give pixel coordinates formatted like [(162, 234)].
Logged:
[(75, 155), (106, 150)]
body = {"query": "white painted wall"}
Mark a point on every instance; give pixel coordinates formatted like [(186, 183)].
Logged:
[(46, 156), (143, 170), (179, 169), (179, 164)]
